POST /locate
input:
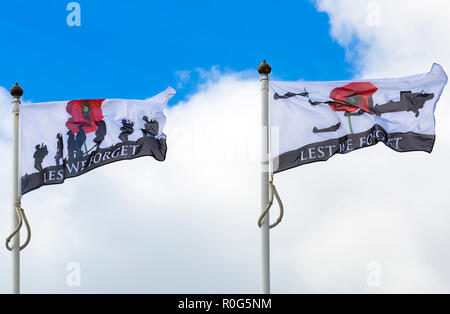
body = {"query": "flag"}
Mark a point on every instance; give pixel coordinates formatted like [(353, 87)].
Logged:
[(65, 139), (315, 120)]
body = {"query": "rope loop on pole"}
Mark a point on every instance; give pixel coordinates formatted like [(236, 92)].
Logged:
[(272, 192), (22, 218), (27, 225), (19, 226)]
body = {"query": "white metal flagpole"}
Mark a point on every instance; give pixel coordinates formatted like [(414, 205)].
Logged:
[(264, 70), (16, 92)]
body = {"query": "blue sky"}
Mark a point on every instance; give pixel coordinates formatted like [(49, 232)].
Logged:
[(132, 49)]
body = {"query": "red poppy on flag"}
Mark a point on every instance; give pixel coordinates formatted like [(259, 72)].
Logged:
[(84, 112)]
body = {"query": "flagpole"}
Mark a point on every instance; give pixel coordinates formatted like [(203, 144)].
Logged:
[(16, 92), (264, 70)]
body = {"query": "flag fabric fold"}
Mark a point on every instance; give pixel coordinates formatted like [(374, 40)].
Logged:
[(312, 121), (65, 139)]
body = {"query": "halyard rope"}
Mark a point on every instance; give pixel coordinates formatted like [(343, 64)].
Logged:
[(272, 192), (22, 218), (25, 220)]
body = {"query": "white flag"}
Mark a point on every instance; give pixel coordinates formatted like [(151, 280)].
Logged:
[(315, 120), (65, 139)]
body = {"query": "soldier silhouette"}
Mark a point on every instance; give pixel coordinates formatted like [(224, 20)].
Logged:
[(39, 155), (59, 148), (127, 130), (100, 133), (149, 142), (151, 127), (71, 146), (80, 138)]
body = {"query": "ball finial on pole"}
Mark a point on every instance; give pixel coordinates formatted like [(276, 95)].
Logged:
[(264, 68), (16, 91)]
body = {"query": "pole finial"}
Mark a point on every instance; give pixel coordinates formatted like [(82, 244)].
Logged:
[(16, 91), (264, 68)]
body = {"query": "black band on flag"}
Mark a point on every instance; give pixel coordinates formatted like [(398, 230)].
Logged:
[(321, 151), (144, 146)]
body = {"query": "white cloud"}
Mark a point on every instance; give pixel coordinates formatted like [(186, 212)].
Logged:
[(182, 77), (410, 35)]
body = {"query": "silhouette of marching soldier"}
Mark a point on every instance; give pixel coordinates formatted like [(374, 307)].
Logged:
[(80, 138), (39, 155), (75, 142), (59, 148), (71, 146), (100, 133), (127, 130)]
